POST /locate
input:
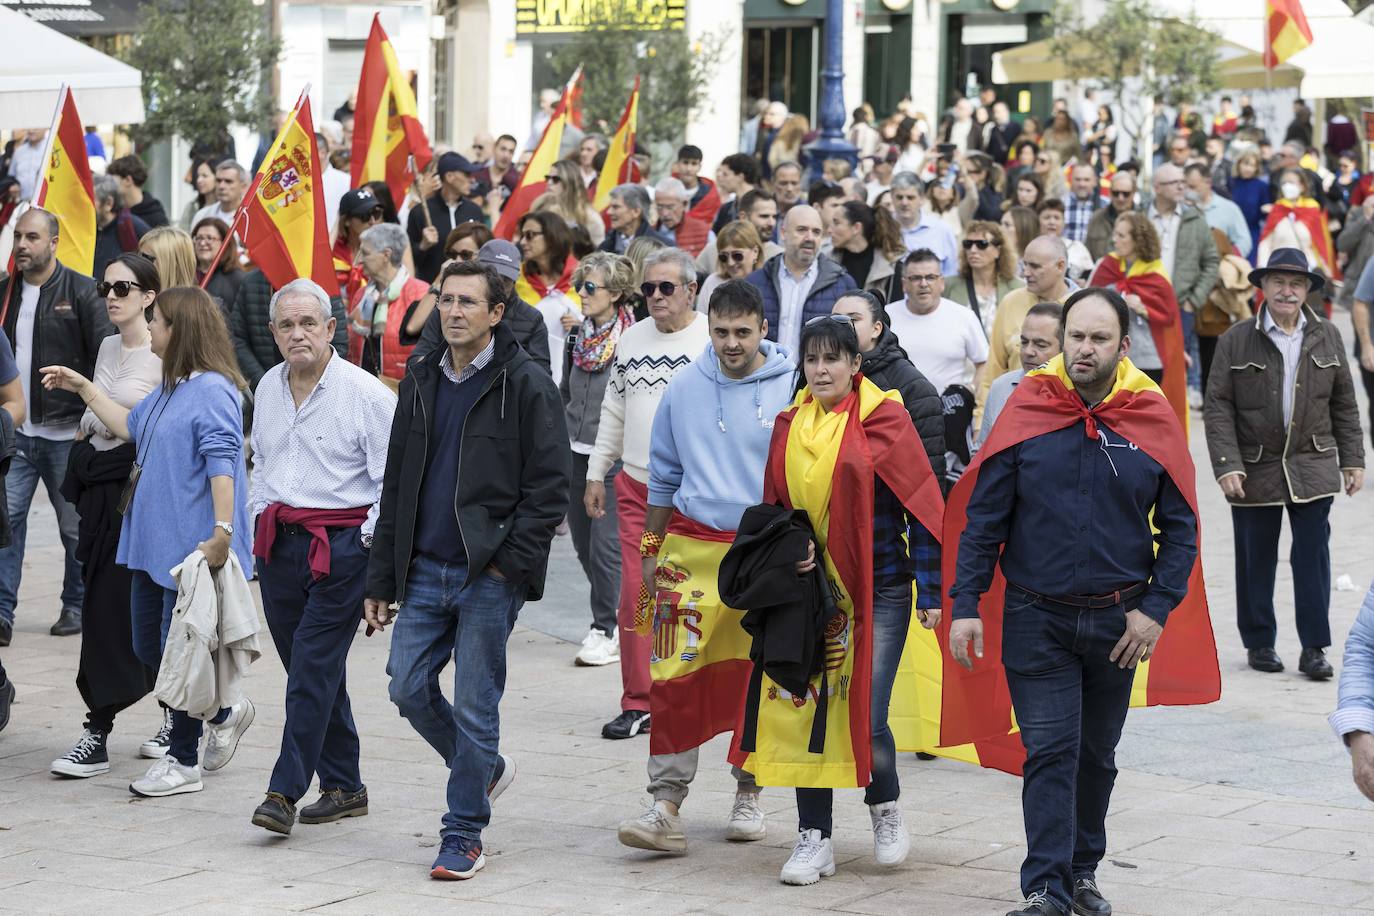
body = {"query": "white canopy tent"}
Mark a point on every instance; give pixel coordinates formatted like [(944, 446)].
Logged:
[(38, 60)]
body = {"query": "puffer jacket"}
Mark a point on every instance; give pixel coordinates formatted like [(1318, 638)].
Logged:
[(1244, 414), (832, 282), (888, 367)]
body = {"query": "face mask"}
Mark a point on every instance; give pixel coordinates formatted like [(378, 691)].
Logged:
[(1190, 196), (1290, 190)]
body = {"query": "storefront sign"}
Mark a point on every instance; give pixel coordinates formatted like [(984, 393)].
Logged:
[(545, 17)]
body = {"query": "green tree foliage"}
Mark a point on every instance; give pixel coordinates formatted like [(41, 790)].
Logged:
[(1132, 47), (204, 67), (675, 77)]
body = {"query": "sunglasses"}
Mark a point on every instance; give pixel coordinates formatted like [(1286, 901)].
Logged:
[(1123, 194), (530, 235), (665, 287), (586, 288), (121, 288), (980, 244), (842, 319), (462, 254), (553, 179), (732, 257)]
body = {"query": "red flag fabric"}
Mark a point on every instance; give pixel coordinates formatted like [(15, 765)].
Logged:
[(1286, 31), (708, 206), (532, 182), (1310, 213), (388, 139)]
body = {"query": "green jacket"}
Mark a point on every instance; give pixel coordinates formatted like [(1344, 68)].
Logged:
[(957, 291), (1195, 259)]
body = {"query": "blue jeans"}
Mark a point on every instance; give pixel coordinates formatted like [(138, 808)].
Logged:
[(1190, 344), (891, 620), (441, 616), (150, 613), (38, 458), (1070, 702), (313, 624)]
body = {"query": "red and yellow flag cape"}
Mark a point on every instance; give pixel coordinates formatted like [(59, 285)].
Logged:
[(706, 209), (1310, 213), (388, 140), (699, 663), (619, 167), (1148, 280), (1183, 670), (825, 462), (66, 189)]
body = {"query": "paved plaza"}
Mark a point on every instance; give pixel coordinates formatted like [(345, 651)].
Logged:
[(1242, 807)]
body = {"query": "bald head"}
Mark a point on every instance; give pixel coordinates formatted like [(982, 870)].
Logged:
[(1043, 267), (1169, 187), (801, 237)]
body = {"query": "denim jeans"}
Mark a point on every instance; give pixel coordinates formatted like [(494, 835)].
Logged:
[(1191, 345), (37, 458), (891, 620), (442, 617), (150, 612), (1070, 702)]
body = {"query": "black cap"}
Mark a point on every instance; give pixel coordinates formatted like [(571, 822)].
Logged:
[(358, 202), (456, 162)]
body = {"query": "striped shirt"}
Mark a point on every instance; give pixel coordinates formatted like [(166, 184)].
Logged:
[(479, 362)]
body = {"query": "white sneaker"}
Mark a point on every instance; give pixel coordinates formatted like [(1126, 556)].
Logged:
[(222, 740), (598, 649), (167, 777), (156, 747), (746, 819), (655, 829), (813, 858), (891, 842), (1194, 399)]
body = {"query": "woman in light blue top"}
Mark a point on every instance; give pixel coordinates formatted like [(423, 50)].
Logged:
[(190, 493)]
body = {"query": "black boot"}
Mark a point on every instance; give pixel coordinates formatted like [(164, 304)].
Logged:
[(68, 623)]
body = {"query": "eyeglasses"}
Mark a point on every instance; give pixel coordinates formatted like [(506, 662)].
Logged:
[(918, 279), (466, 303), (208, 239), (980, 244), (553, 179), (663, 286), (121, 288), (586, 288), (530, 235), (842, 319), (732, 257), (462, 254)]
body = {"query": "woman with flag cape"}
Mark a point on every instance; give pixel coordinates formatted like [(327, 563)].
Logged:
[(1298, 221), (843, 452)]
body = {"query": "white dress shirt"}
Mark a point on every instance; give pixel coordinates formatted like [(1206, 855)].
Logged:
[(1167, 227), (1290, 348), (328, 454), (792, 293)]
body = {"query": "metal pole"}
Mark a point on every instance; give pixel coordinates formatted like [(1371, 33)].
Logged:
[(832, 143)]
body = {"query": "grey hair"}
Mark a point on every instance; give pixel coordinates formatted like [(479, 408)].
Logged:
[(907, 180), (231, 164), (633, 196), (303, 288), (789, 164), (390, 237), (670, 187), (106, 187), (686, 264)]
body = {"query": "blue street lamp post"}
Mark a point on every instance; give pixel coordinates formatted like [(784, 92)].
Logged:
[(832, 143)]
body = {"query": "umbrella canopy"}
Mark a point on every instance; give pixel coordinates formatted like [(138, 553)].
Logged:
[(38, 60)]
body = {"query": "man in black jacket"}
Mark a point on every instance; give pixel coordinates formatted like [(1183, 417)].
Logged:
[(447, 210), (132, 175), (462, 550), (250, 327), (52, 316), (885, 364)]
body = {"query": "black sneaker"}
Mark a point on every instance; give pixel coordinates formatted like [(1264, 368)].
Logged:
[(335, 804), (276, 814), (86, 758), (157, 746), (626, 725), (6, 698)]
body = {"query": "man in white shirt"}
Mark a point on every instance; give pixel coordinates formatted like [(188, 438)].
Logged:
[(919, 228), (321, 427), (940, 336), (231, 183)]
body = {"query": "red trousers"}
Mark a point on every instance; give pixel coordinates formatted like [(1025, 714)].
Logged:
[(631, 507)]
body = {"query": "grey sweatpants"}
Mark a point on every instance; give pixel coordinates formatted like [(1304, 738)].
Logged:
[(671, 774), (597, 543)]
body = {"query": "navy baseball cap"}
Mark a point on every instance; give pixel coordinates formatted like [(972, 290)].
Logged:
[(456, 162)]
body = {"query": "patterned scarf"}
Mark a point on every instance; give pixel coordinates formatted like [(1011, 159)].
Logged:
[(595, 346)]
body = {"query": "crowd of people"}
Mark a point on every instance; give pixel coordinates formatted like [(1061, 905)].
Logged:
[(778, 412)]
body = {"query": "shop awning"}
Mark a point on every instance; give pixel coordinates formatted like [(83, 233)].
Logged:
[(38, 60), (80, 18)]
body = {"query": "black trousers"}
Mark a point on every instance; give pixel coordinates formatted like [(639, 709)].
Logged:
[(1257, 558)]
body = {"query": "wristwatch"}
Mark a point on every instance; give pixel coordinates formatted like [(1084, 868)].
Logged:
[(228, 528)]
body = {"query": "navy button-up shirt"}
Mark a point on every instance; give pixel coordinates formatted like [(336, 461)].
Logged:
[(1075, 516)]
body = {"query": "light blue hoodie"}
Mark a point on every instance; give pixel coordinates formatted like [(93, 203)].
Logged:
[(710, 437)]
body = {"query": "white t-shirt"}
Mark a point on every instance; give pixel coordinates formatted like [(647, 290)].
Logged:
[(23, 360), (941, 342)]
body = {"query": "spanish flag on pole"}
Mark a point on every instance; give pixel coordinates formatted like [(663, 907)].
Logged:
[(65, 188), (619, 163), (388, 142), (1286, 31), (532, 182), (976, 718), (282, 220)]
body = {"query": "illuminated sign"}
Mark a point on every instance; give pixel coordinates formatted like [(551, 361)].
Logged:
[(534, 17)]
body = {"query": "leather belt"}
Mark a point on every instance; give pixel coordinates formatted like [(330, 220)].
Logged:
[(1086, 602), (284, 528)]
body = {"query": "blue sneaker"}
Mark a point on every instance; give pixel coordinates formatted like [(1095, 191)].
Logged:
[(459, 859)]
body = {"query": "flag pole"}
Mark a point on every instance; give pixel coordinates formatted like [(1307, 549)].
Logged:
[(419, 194), (40, 193), (233, 227)]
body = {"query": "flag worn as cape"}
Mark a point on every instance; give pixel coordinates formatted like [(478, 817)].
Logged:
[(532, 182), (706, 209), (1286, 31), (1182, 671), (1148, 280), (699, 661), (1310, 213), (284, 225), (66, 189), (619, 155), (825, 462), (388, 140)]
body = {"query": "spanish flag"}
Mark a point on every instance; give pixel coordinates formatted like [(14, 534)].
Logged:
[(282, 219), (66, 190), (619, 162), (699, 662), (1286, 31), (1182, 671), (532, 182), (825, 462), (1310, 214), (388, 142)]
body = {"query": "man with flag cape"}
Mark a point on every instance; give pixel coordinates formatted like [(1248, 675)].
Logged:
[(706, 458), (1086, 490)]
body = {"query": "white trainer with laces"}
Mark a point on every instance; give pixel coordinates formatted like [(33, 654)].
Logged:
[(891, 842), (598, 649), (655, 829), (813, 858), (156, 746), (167, 777), (746, 819), (222, 740)]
